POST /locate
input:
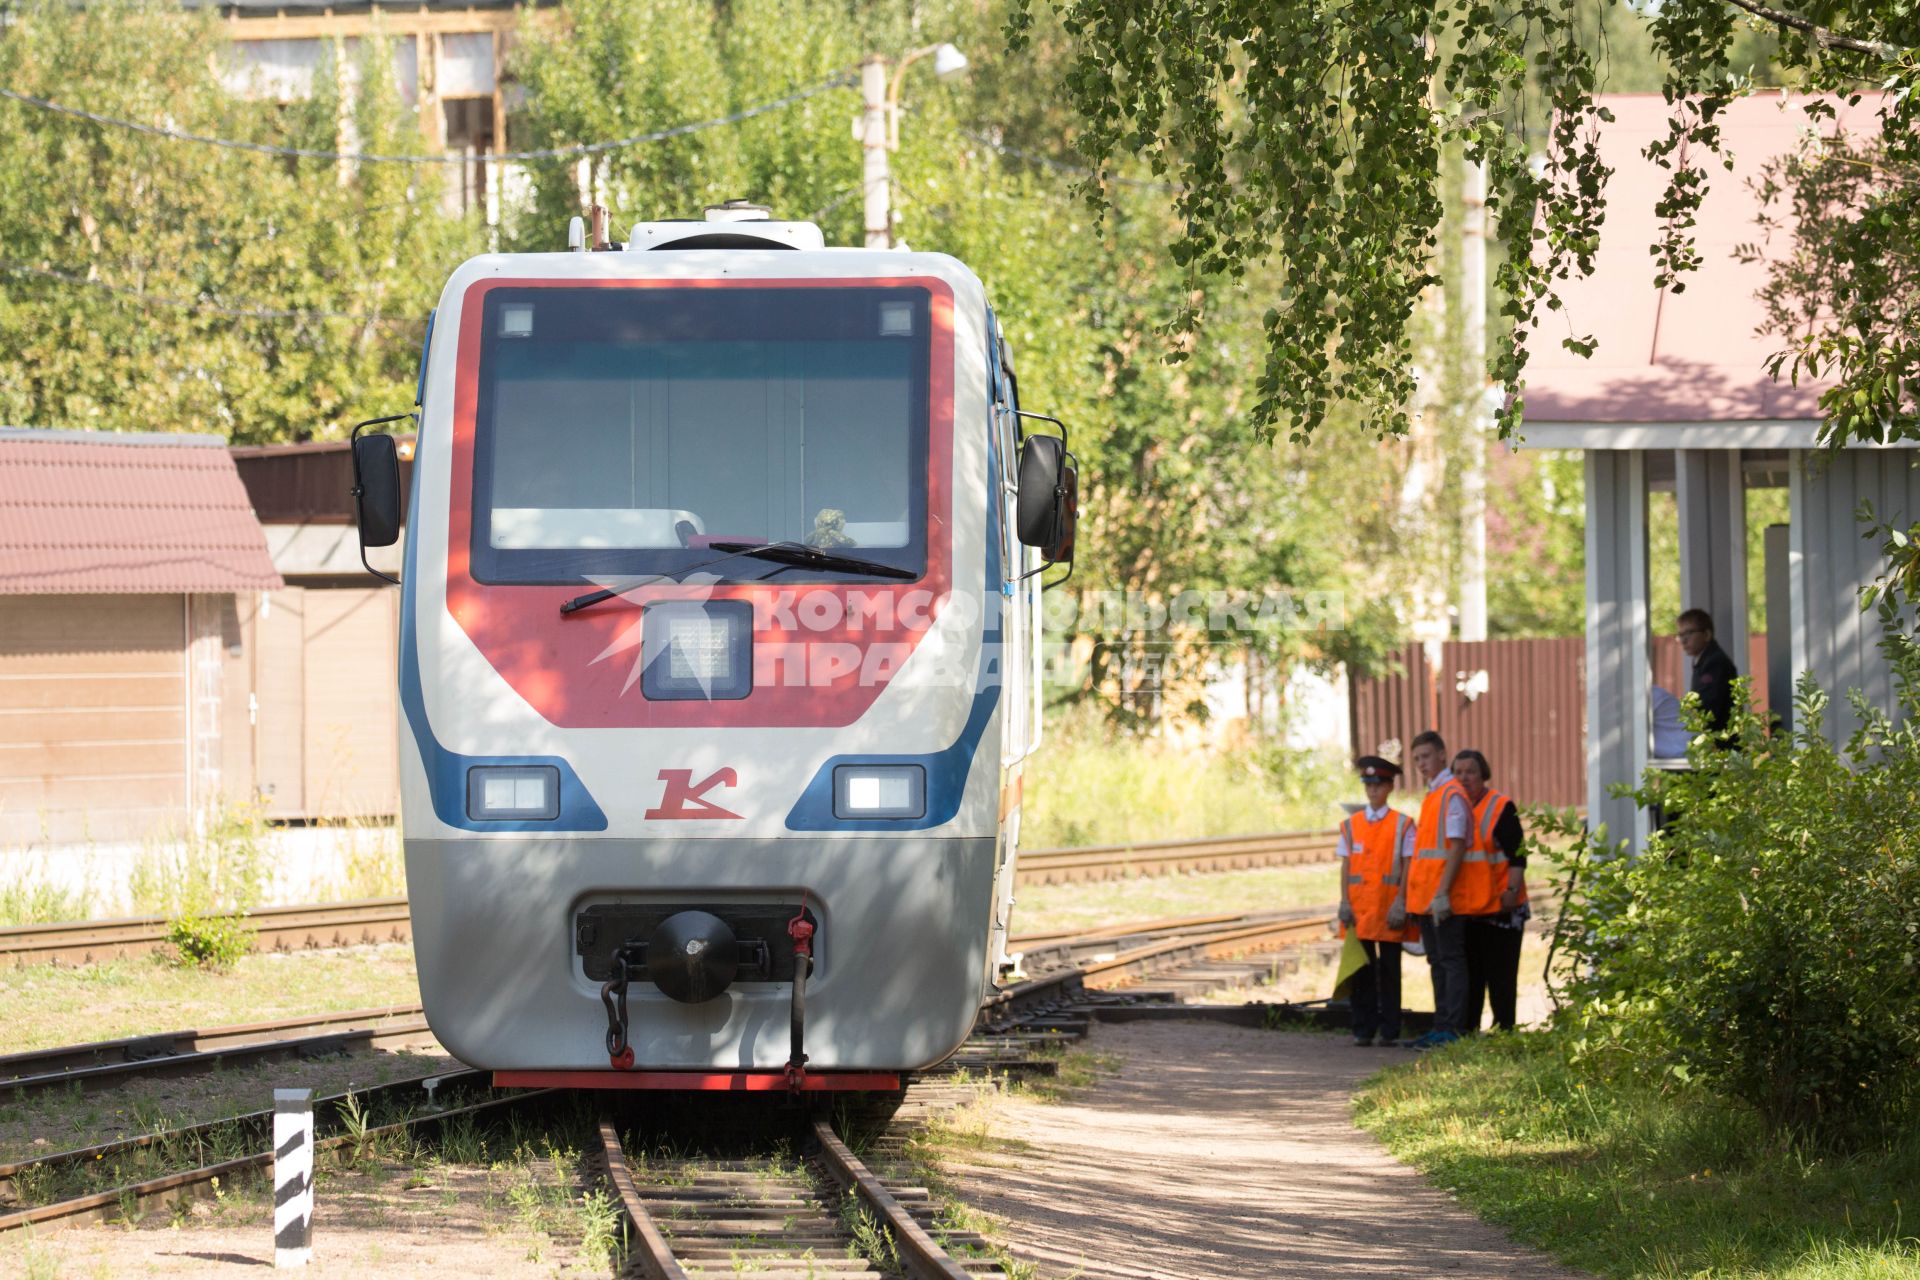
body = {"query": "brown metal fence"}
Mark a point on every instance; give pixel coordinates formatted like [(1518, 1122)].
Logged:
[(1520, 701)]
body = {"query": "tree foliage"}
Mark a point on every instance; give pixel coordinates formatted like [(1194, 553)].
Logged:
[(166, 285), (1308, 136)]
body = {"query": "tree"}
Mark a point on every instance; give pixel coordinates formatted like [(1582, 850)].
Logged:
[(1309, 136), (163, 284)]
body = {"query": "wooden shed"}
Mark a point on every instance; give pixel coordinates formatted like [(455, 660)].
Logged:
[(125, 560)]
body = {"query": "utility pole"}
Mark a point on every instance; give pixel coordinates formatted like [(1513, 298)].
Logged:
[(876, 174), (878, 128), (1473, 478)]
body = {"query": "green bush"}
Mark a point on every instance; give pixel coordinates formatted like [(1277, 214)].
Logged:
[(214, 942), (1764, 944)]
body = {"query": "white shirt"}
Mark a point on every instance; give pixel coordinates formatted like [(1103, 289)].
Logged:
[(1374, 815), (1670, 736), (1458, 818)]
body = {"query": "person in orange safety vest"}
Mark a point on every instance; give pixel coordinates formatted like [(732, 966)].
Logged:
[(1426, 893), (1376, 844), (1497, 919)]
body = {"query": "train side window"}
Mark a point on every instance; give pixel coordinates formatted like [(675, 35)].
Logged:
[(1006, 428)]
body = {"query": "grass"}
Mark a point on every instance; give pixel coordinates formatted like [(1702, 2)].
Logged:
[(1088, 785), (231, 861), (49, 1006), (1625, 1180), (1049, 908), (1075, 1068)]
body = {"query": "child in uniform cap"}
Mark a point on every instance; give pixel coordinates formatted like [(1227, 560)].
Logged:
[(1375, 845)]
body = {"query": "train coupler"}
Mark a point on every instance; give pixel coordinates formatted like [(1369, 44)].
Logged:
[(613, 995), (800, 929)]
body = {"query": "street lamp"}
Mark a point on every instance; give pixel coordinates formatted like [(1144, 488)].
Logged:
[(878, 128)]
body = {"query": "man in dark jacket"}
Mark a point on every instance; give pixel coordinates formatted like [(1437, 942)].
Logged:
[(1713, 670)]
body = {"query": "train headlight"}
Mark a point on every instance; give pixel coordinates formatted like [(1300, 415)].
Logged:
[(697, 650), (880, 791), (503, 792)]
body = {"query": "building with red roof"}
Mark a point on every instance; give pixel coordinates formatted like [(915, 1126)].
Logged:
[(1677, 400), (122, 561)]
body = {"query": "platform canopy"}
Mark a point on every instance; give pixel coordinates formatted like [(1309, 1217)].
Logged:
[(1691, 353), (1677, 399)]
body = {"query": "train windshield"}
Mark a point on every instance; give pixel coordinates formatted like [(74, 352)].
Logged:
[(625, 431)]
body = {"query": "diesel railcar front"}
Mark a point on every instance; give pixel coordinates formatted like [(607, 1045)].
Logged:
[(719, 648)]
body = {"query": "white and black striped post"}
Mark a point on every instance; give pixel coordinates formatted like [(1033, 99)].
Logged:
[(292, 1177)]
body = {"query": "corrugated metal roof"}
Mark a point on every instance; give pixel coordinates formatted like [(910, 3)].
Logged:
[(1694, 355), (86, 512)]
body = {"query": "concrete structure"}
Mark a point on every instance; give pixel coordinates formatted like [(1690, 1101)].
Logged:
[(449, 60), (323, 675), (1678, 400)]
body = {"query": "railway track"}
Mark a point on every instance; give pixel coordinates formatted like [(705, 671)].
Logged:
[(190, 1162), (1105, 957), (375, 920), (295, 928), (179, 1164), (1154, 858), (825, 1214), (110, 1063)]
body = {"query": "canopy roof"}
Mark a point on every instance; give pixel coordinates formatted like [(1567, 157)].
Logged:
[(1692, 355)]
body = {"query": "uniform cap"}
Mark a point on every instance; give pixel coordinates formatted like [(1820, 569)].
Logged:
[(1377, 769)]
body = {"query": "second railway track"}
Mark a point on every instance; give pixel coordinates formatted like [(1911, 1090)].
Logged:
[(375, 920)]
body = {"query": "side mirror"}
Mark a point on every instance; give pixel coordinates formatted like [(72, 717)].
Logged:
[(376, 490), (1041, 518), (1061, 550)]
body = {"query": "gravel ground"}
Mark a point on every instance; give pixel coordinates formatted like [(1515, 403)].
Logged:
[(56, 1120), (1221, 1152)]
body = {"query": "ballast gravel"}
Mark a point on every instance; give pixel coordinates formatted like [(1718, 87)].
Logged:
[(1218, 1151)]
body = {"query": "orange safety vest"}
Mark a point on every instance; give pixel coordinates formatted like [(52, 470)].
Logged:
[(1485, 815), (1430, 850), (1483, 871), (1372, 880)]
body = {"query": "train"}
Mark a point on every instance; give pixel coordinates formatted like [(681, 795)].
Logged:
[(719, 654)]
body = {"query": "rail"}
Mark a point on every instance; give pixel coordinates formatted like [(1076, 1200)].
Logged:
[(716, 1212), (292, 928), (173, 1053)]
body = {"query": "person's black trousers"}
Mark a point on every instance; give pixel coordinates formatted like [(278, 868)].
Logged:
[(1446, 946), (1493, 971), (1375, 992)]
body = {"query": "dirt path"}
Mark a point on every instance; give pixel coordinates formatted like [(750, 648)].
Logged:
[(1224, 1152), (435, 1222)]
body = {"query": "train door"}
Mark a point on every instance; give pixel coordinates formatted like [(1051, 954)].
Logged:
[(1012, 599)]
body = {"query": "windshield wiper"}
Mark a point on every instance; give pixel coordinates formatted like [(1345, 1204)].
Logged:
[(800, 555), (787, 553)]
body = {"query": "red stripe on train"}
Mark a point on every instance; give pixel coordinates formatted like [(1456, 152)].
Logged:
[(524, 637), (700, 1081)]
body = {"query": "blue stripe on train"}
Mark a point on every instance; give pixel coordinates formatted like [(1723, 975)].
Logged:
[(447, 770), (947, 769)]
